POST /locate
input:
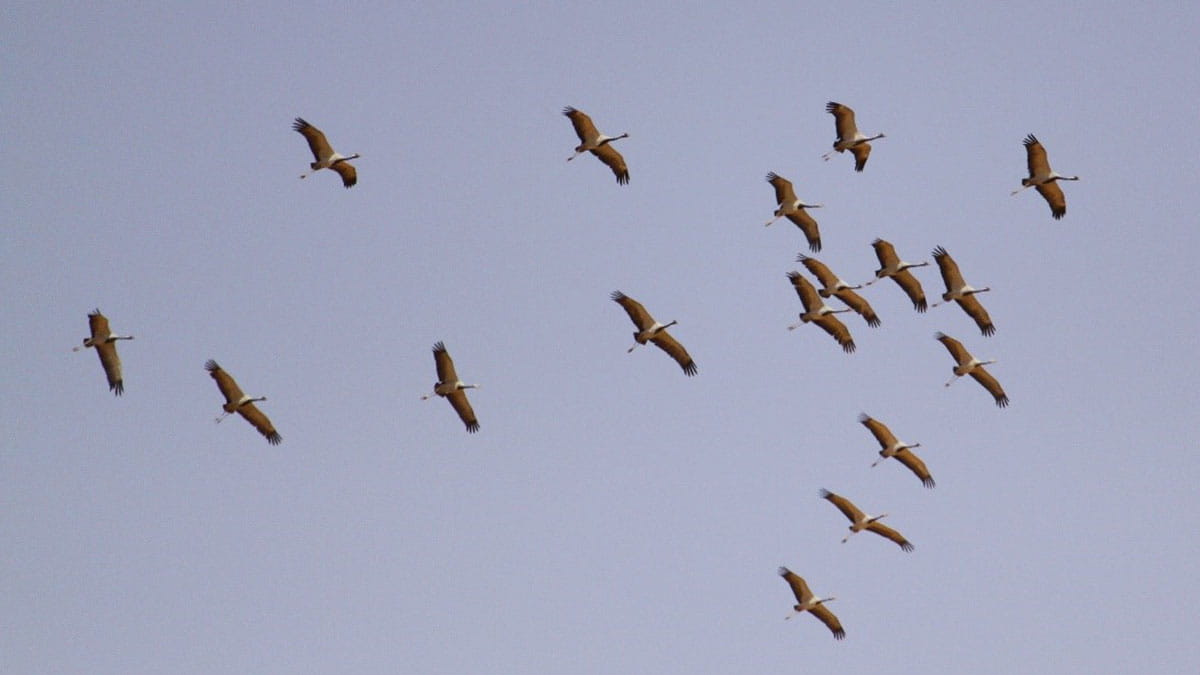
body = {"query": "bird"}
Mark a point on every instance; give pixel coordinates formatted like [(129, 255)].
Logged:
[(892, 266), (450, 387), (650, 330), (890, 447), (591, 140), (1044, 178), (816, 311), (105, 342), (834, 286), (849, 137), (793, 208), (811, 603), (324, 154), (958, 291), (969, 365), (860, 521), (236, 401)]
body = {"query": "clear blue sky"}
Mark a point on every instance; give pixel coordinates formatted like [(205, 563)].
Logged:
[(612, 515)]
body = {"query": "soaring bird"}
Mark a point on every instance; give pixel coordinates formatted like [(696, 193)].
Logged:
[(591, 140), (1044, 178), (105, 342), (816, 311), (890, 447), (969, 365), (650, 330), (324, 155), (860, 521), (451, 388), (849, 137), (793, 209), (236, 401), (892, 266), (834, 286), (958, 291), (811, 603)]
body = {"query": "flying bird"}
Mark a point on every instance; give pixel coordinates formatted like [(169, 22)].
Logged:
[(1044, 178), (892, 266), (324, 155), (816, 311), (860, 521), (236, 401), (811, 603), (969, 365), (105, 342), (834, 286), (890, 447), (650, 330), (794, 210), (450, 387), (849, 137), (958, 291), (591, 140)]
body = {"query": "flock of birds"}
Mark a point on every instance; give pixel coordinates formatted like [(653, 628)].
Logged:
[(816, 311)]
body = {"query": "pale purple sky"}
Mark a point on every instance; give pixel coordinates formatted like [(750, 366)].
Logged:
[(612, 515)]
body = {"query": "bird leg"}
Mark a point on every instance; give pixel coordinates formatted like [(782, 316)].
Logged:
[(1018, 190), (223, 416), (630, 350), (795, 326), (772, 221), (952, 381)]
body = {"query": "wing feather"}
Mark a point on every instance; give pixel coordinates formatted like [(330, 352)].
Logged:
[(1054, 196), (949, 269), (584, 129), (812, 232), (974, 309), (807, 292), (983, 377), (956, 348), (819, 270), (832, 325), (912, 288), (827, 617), (879, 430), (348, 173), (799, 588), (885, 252), (225, 382), (888, 533), (638, 314), (445, 364), (458, 399), (671, 346), (316, 140), (258, 418), (844, 505), (843, 118), (784, 194), (910, 459), (861, 152), (859, 304), (609, 155), (112, 366), (1035, 154), (98, 323)]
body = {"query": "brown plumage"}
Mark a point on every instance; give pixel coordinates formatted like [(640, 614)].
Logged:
[(860, 521), (958, 291), (650, 330), (849, 137), (236, 401), (898, 270), (832, 285), (324, 154), (794, 210), (969, 365), (105, 342), (591, 140), (1044, 178), (452, 389), (811, 603), (891, 447), (816, 311)]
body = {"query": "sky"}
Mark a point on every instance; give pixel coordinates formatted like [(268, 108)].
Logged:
[(612, 515)]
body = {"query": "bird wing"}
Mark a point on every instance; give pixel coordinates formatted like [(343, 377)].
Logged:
[(887, 532), (458, 399), (348, 173), (912, 287), (808, 226), (819, 270), (584, 129), (671, 346), (885, 252), (1054, 196), (859, 304), (229, 388), (827, 617), (783, 189), (878, 429), (843, 118), (316, 140), (956, 348), (1039, 165), (259, 419), (844, 505), (799, 588), (112, 366), (445, 364), (909, 458), (806, 291), (98, 324), (609, 155), (861, 152), (949, 269), (983, 377), (832, 325), (975, 310), (641, 318)]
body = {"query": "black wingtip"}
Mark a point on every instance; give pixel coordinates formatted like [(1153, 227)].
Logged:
[(118, 387), (839, 635), (472, 427), (211, 366), (439, 346), (907, 547), (988, 330), (299, 124), (1002, 401), (1030, 140), (690, 368), (623, 178), (939, 252), (274, 438), (920, 306), (849, 347), (831, 106), (617, 296), (928, 482), (873, 322)]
